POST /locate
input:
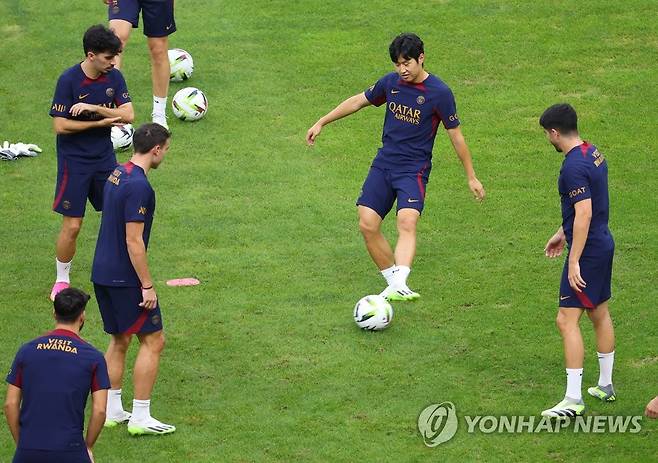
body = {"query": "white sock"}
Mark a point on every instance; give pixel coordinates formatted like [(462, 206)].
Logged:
[(114, 404), (606, 361), (401, 275), (159, 105), (63, 269), (574, 383), (389, 274), (141, 410)]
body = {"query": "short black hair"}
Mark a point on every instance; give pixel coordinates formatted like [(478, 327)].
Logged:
[(407, 45), (69, 304), (148, 136), (100, 39), (561, 117)]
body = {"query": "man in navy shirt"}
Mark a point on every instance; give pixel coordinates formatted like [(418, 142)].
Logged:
[(585, 286), (123, 283), (48, 386), (416, 103), (90, 97), (159, 23)]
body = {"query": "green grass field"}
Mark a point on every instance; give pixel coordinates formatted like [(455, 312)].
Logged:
[(263, 361)]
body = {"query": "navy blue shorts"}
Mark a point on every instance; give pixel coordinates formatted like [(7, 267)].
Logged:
[(383, 186), (121, 312), (597, 273), (50, 456), (73, 189), (158, 15)]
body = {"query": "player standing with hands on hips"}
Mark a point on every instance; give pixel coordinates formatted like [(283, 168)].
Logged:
[(123, 284), (158, 17), (416, 103), (587, 272), (90, 97)]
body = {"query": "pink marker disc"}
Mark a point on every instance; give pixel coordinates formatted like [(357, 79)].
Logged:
[(183, 282)]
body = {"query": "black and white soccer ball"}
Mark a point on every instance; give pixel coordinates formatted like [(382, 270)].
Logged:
[(181, 65), (373, 313), (122, 137), (189, 104)]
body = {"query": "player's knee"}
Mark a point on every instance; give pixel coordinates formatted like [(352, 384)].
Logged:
[(121, 342), (158, 49), (563, 322), (156, 342), (599, 318), (124, 40), (71, 228), (407, 224), (368, 227)]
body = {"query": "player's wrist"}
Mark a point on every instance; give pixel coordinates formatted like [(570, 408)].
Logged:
[(147, 287)]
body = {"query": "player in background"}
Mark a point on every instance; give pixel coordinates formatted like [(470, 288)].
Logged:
[(123, 283), (585, 285), (48, 385), (416, 103), (158, 17), (89, 98)]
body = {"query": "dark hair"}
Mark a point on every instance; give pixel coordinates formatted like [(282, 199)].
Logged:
[(406, 45), (148, 136), (561, 117), (100, 39), (69, 304)]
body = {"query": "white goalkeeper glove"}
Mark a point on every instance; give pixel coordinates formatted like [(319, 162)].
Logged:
[(6, 153), (11, 151), (25, 149)]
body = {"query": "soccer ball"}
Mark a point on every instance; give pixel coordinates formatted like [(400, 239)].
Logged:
[(373, 313), (189, 104), (181, 65), (122, 137)]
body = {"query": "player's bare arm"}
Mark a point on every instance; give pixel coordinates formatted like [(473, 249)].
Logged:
[(13, 409), (580, 230), (652, 408), (97, 418), (137, 253), (347, 107), (461, 148), (63, 125), (125, 111), (555, 244)]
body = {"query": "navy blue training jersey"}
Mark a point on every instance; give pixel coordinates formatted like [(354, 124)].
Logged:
[(127, 197), (55, 373), (584, 175), (413, 115), (89, 150)]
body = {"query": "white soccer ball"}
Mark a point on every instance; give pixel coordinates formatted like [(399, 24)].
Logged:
[(181, 65), (373, 313), (189, 104), (122, 137)]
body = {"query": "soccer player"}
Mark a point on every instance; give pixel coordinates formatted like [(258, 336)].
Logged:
[(416, 103), (123, 283), (90, 97), (158, 17), (48, 386), (585, 286)]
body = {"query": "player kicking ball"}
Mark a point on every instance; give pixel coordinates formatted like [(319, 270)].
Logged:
[(585, 286), (416, 103), (123, 284)]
